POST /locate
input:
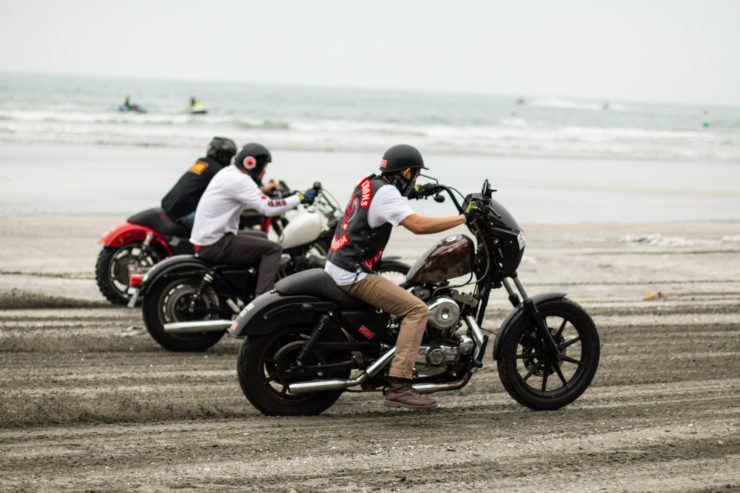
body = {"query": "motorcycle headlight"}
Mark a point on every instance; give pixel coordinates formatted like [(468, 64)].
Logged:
[(521, 240)]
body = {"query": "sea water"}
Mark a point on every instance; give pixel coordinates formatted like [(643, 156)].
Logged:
[(66, 150)]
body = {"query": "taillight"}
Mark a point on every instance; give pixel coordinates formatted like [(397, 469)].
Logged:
[(135, 280)]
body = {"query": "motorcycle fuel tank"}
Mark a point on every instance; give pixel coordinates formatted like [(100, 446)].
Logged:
[(448, 258), (301, 230)]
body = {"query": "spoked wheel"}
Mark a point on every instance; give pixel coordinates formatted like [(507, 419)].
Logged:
[(537, 377), (267, 365), (393, 270), (116, 265), (172, 302)]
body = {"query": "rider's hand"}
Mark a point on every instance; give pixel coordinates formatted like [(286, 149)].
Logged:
[(308, 196), (475, 210)]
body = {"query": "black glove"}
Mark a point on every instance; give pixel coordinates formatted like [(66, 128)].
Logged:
[(308, 196), (423, 191), (475, 210)]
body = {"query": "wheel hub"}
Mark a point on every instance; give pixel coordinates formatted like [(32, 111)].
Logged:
[(541, 353), (287, 365), (180, 306)]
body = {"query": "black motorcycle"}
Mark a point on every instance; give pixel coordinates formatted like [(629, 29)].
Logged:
[(133, 247), (188, 303), (308, 341)]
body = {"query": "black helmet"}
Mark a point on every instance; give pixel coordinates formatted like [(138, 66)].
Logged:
[(400, 157), (221, 149), (253, 158)]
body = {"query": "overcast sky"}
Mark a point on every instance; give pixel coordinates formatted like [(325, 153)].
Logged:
[(685, 51)]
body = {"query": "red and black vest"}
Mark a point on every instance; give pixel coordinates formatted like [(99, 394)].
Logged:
[(355, 244)]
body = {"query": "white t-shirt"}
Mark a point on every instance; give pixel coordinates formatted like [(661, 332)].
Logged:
[(388, 206), (228, 193)]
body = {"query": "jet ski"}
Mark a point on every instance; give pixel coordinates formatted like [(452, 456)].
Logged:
[(134, 108), (197, 108)]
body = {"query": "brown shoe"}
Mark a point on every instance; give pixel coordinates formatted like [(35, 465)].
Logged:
[(402, 394)]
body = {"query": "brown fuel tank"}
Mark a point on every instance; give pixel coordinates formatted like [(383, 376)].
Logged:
[(448, 258)]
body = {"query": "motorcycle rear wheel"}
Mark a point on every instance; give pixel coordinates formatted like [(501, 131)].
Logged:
[(116, 264), (538, 380), (169, 301), (265, 367)]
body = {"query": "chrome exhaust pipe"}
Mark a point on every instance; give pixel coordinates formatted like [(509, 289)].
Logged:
[(338, 384), (198, 326), (379, 364), (323, 385), (428, 388)]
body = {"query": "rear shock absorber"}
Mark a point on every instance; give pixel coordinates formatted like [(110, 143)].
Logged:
[(145, 246), (207, 279), (308, 345)]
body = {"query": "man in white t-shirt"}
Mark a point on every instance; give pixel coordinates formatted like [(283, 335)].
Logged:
[(378, 204), (216, 234)]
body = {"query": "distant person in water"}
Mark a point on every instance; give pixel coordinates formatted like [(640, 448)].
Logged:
[(127, 106)]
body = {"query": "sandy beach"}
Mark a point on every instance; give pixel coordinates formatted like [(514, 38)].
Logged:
[(90, 402), (610, 133)]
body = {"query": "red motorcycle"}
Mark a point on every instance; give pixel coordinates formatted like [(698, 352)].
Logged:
[(146, 238)]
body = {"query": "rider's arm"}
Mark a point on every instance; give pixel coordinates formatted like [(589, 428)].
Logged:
[(252, 197), (421, 225)]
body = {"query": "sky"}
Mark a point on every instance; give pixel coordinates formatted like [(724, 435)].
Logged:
[(679, 51)]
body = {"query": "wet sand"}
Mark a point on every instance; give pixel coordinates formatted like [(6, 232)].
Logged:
[(87, 403)]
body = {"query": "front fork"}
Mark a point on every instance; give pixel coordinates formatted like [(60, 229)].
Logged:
[(534, 315)]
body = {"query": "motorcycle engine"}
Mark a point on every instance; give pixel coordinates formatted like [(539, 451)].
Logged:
[(444, 314), (445, 348), (435, 358)]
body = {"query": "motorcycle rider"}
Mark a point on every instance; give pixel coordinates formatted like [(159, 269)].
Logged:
[(181, 201), (216, 236), (377, 205)]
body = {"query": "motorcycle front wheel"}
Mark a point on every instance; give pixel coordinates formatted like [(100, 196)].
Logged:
[(535, 377), (266, 365), (170, 301), (115, 266)]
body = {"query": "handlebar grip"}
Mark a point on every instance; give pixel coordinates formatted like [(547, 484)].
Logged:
[(424, 191)]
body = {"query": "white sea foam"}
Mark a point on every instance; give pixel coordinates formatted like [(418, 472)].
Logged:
[(564, 103), (82, 111), (659, 240)]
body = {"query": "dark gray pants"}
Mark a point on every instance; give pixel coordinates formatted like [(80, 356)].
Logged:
[(247, 248)]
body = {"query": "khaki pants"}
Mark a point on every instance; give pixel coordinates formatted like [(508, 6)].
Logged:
[(382, 293)]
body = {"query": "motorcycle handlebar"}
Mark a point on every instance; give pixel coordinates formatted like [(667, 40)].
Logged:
[(429, 189), (426, 190)]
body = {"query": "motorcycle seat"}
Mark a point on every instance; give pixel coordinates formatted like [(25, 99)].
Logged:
[(156, 219), (316, 282)]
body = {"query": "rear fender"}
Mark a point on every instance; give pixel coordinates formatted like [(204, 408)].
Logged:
[(125, 233), (170, 265), (517, 313), (272, 310)]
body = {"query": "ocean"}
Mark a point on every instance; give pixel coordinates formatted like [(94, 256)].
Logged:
[(67, 151)]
